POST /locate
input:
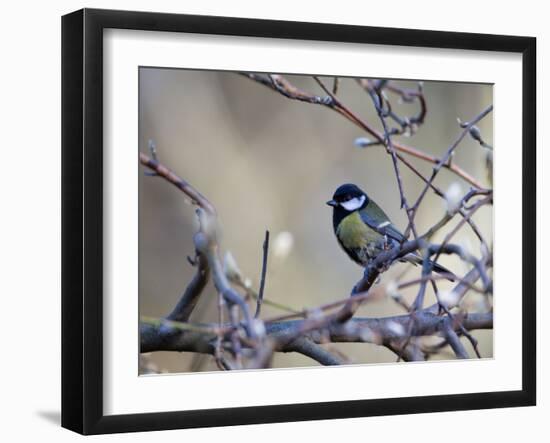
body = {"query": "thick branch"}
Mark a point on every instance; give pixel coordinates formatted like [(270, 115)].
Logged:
[(163, 336), (206, 245), (188, 300), (454, 342), (311, 349)]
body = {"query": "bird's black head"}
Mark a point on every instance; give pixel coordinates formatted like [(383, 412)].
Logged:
[(348, 198)]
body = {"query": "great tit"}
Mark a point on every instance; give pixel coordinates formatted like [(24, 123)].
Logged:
[(363, 230)]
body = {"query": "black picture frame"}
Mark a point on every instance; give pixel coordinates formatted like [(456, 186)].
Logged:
[(82, 220)]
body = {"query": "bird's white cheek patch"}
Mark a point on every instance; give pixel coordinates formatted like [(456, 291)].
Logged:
[(354, 203)]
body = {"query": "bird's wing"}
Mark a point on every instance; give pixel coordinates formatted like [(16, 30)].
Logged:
[(377, 220)]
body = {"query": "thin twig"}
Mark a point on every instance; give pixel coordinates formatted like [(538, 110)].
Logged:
[(161, 170), (444, 160), (441, 276), (264, 272), (284, 87)]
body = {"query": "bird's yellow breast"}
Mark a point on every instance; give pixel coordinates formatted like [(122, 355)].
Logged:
[(354, 233)]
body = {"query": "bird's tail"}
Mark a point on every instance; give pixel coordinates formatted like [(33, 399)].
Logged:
[(417, 260)]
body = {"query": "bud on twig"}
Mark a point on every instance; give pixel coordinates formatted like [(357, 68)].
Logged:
[(230, 267), (363, 142), (453, 198), (448, 299), (396, 328)]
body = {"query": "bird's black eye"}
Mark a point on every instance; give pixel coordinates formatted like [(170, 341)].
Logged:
[(343, 198)]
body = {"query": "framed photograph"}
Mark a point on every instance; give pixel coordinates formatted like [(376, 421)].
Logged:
[(269, 221)]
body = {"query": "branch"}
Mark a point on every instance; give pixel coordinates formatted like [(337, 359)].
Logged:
[(279, 84), (196, 197), (260, 298), (311, 349), (206, 239), (232, 349), (440, 193), (405, 350), (454, 342), (165, 336), (187, 302), (206, 244), (445, 160)]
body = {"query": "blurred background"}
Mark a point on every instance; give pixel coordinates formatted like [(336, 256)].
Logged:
[(270, 163)]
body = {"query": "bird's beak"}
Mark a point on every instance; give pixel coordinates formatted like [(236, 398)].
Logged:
[(332, 203)]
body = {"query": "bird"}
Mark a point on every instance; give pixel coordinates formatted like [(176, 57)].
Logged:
[(363, 229)]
